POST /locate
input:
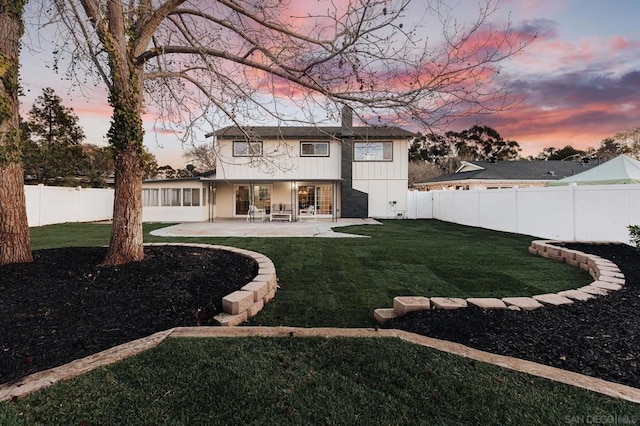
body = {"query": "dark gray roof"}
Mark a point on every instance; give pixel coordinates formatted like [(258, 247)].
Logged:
[(311, 132), (518, 170)]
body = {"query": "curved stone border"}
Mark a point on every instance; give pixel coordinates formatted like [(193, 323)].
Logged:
[(606, 274), (245, 303), (76, 368)]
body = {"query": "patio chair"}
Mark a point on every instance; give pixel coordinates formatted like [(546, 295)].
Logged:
[(254, 212), (308, 212)]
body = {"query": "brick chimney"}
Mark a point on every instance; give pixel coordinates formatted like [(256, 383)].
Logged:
[(347, 122), (354, 203)]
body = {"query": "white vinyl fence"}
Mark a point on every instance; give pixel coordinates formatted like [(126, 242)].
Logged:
[(571, 213), (47, 205)]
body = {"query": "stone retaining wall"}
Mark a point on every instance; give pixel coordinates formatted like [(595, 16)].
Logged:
[(245, 303), (606, 274)]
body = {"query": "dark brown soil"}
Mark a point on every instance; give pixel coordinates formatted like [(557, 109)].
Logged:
[(63, 307), (599, 338)]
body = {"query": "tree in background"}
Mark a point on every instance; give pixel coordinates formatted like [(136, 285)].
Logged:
[(485, 143), (610, 148), (420, 171), (168, 172), (479, 143), (98, 165), (53, 152), (202, 157), (52, 149), (630, 141), (15, 245), (203, 62), (566, 153)]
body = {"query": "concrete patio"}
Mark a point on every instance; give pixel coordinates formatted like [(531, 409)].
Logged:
[(242, 228)]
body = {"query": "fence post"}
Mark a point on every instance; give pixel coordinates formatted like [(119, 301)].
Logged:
[(78, 201), (515, 201), (572, 188), (40, 209)]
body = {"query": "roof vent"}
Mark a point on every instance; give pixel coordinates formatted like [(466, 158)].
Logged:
[(551, 172)]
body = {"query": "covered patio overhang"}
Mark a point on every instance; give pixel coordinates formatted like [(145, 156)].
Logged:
[(301, 198)]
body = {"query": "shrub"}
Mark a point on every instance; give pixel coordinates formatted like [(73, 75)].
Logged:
[(634, 234)]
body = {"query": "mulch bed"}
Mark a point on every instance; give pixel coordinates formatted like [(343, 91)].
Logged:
[(63, 307), (599, 337)]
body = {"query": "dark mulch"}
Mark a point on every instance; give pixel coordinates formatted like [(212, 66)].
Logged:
[(63, 307), (600, 337)]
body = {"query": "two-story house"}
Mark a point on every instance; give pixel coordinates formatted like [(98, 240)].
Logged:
[(291, 173)]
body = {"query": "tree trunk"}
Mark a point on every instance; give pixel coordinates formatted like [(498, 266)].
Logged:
[(15, 243), (15, 246), (126, 230)]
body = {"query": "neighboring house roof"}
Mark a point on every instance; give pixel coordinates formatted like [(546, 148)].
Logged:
[(535, 170), (308, 132), (619, 170)]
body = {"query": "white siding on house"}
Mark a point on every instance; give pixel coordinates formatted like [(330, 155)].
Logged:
[(396, 169), (385, 182), (284, 162)]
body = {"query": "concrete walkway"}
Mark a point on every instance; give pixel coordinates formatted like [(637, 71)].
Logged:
[(242, 228)]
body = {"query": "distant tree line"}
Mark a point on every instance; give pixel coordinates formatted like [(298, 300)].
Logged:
[(627, 142), (434, 154)]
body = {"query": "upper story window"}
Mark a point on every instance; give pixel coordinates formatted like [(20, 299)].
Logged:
[(314, 149), (372, 151), (247, 149)]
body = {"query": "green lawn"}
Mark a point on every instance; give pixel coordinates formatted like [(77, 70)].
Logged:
[(294, 381), (332, 282), (339, 282)]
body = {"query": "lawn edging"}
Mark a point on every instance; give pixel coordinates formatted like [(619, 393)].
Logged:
[(606, 274), (245, 303), (78, 367)]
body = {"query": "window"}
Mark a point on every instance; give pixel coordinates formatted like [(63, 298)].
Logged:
[(150, 197), (247, 149), (372, 151), (190, 197), (314, 149), (170, 196)]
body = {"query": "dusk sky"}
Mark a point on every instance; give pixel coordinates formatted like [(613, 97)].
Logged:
[(578, 82)]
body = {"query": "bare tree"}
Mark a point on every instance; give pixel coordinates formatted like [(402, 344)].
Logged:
[(630, 141), (420, 171), (203, 62), (202, 157), (15, 246)]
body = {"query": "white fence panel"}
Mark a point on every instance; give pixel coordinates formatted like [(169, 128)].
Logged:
[(496, 209), (604, 215), (47, 205), (573, 213), (419, 205), (32, 198), (546, 212), (443, 205), (465, 208)]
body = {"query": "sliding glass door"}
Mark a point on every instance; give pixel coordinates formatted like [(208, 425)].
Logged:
[(259, 195), (318, 196)]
